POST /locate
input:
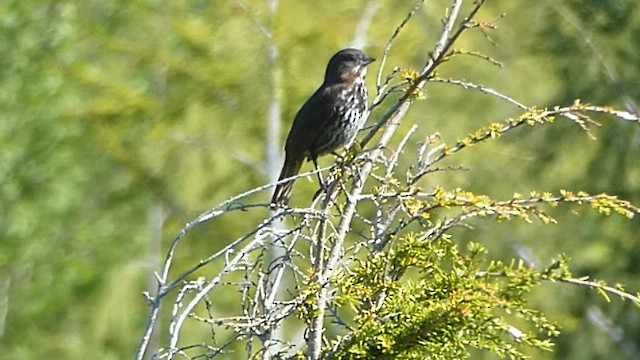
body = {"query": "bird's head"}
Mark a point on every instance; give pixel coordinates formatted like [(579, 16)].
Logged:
[(347, 64)]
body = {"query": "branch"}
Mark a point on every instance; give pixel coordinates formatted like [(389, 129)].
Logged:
[(482, 89), (603, 289), (176, 324), (442, 46), (387, 48)]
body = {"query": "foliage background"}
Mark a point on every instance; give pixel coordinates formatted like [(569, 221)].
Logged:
[(122, 120)]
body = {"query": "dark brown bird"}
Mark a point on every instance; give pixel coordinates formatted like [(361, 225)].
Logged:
[(331, 117)]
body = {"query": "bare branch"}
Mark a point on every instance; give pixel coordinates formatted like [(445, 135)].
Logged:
[(387, 49), (482, 89), (604, 288)]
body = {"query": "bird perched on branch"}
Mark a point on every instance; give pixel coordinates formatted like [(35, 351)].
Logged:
[(331, 117)]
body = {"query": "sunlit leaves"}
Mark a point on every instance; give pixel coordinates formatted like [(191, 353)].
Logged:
[(449, 302)]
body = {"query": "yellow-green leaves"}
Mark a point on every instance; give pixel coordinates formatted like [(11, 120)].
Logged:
[(446, 302)]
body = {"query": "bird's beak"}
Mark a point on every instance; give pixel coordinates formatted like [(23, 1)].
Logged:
[(368, 61)]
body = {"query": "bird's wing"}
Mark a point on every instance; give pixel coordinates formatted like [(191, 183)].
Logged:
[(311, 117)]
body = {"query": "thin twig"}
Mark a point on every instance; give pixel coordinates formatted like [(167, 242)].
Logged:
[(387, 49), (393, 162), (610, 289), (176, 326), (481, 88)]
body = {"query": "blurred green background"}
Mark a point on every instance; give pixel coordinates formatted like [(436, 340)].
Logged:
[(122, 120)]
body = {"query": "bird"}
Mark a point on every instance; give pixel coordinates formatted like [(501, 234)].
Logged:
[(329, 119)]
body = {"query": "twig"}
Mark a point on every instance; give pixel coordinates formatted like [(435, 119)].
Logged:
[(445, 41), (610, 289), (393, 162), (481, 88), (176, 326), (393, 37)]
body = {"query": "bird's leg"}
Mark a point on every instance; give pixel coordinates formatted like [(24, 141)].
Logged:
[(332, 178), (315, 164), (323, 188)]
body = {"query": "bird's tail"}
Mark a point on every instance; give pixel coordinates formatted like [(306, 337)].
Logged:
[(282, 192)]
